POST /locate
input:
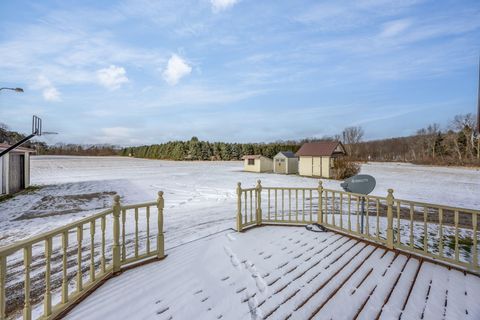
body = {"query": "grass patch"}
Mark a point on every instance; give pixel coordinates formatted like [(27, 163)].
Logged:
[(29, 190)]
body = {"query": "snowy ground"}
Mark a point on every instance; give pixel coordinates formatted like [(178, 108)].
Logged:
[(280, 273), (199, 196)]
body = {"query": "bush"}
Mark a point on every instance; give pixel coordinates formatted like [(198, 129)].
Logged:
[(345, 168)]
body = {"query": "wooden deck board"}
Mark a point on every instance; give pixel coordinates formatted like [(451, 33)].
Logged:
[(286, 273)]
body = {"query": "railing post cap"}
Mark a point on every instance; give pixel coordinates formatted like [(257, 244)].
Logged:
[(320, 183), (116, 199), (390, 191), (239, 184), (160, 194), (259, 182)]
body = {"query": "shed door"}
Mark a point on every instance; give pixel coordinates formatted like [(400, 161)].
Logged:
[(17, 172)]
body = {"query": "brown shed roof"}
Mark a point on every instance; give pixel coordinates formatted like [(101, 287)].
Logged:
[(321, 148)]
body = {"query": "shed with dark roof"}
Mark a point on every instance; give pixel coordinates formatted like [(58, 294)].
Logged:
[(285, 162), (317, 159), (14, 169)]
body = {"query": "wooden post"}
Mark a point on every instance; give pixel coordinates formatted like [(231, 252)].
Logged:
[(116, 234), (259, 203), (47, 298), (27, 260), (239, 207), (160, 238), (320, 200), (390, 200)]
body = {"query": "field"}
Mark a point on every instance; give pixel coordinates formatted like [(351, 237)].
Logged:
[(199, 196)]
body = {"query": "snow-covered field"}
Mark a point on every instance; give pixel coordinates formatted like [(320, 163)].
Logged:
[(199, 196)]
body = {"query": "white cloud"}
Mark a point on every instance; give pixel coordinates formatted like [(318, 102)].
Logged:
[(220, 5), (49, 92), (118, 135), (394, 28), (176, 69), (112, 77)]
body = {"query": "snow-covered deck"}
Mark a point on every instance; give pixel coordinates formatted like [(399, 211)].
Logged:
[(284, 272)]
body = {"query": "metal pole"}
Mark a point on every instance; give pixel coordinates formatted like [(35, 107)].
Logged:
[(2, 153)]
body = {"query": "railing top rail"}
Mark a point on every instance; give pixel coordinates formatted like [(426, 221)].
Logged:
[(140, 205), (9, 249), (356, 194), (438, 206), (249, 189), (288, 188)]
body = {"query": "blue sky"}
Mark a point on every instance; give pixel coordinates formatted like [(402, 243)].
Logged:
[(135, 72)]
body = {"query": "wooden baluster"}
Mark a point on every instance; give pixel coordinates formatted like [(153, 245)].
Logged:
[(103, 260), (124, 249), (378, 218), (239, 207), (399, 231), (358, 213), (456, 236), (47, 298), (148, 228), (440, 232), (296, 205), (92, 251), (79, 258), (341, 210), (474, 235), (246, 206), (136, 233), (333, 208), (325, 214), (64, 267), (349, 212), (160, 236), (303, 206), (269, 204), (283, 205), (425, 230), (411, 226), (251, 206), (367, 217), (289, 205), (311, 207), (3, 284), (27, 260), (276, 207)]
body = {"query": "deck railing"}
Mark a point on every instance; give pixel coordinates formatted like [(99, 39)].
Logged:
[(440, 232), (60, 267)]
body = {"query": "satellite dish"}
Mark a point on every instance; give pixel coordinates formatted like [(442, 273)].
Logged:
[(361, 183)]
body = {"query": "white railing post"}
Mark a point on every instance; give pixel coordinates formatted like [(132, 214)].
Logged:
[(160, 238), (259, 202), (390, 200), (320, 203), (239, 207), (116, 234)]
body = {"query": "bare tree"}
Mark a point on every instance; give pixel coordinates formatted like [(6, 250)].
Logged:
[(352, 136)]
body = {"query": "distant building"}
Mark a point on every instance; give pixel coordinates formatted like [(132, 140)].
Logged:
[(14, 169), (317, 159), (285, 162), (257, 163)]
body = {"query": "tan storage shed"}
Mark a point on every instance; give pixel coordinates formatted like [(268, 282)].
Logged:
[(257, 163), (317, 159), (14, 169), (285, 162)]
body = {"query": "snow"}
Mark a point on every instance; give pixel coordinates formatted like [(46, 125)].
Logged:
[(279, 272)]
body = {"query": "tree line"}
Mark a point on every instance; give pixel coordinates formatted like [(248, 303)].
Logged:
[(456, 144)]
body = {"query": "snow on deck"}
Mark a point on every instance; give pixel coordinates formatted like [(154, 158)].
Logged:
[(280, 273)]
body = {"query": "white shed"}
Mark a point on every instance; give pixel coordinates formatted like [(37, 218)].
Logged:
[(257, 163), (14, 169), (285, 162)]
